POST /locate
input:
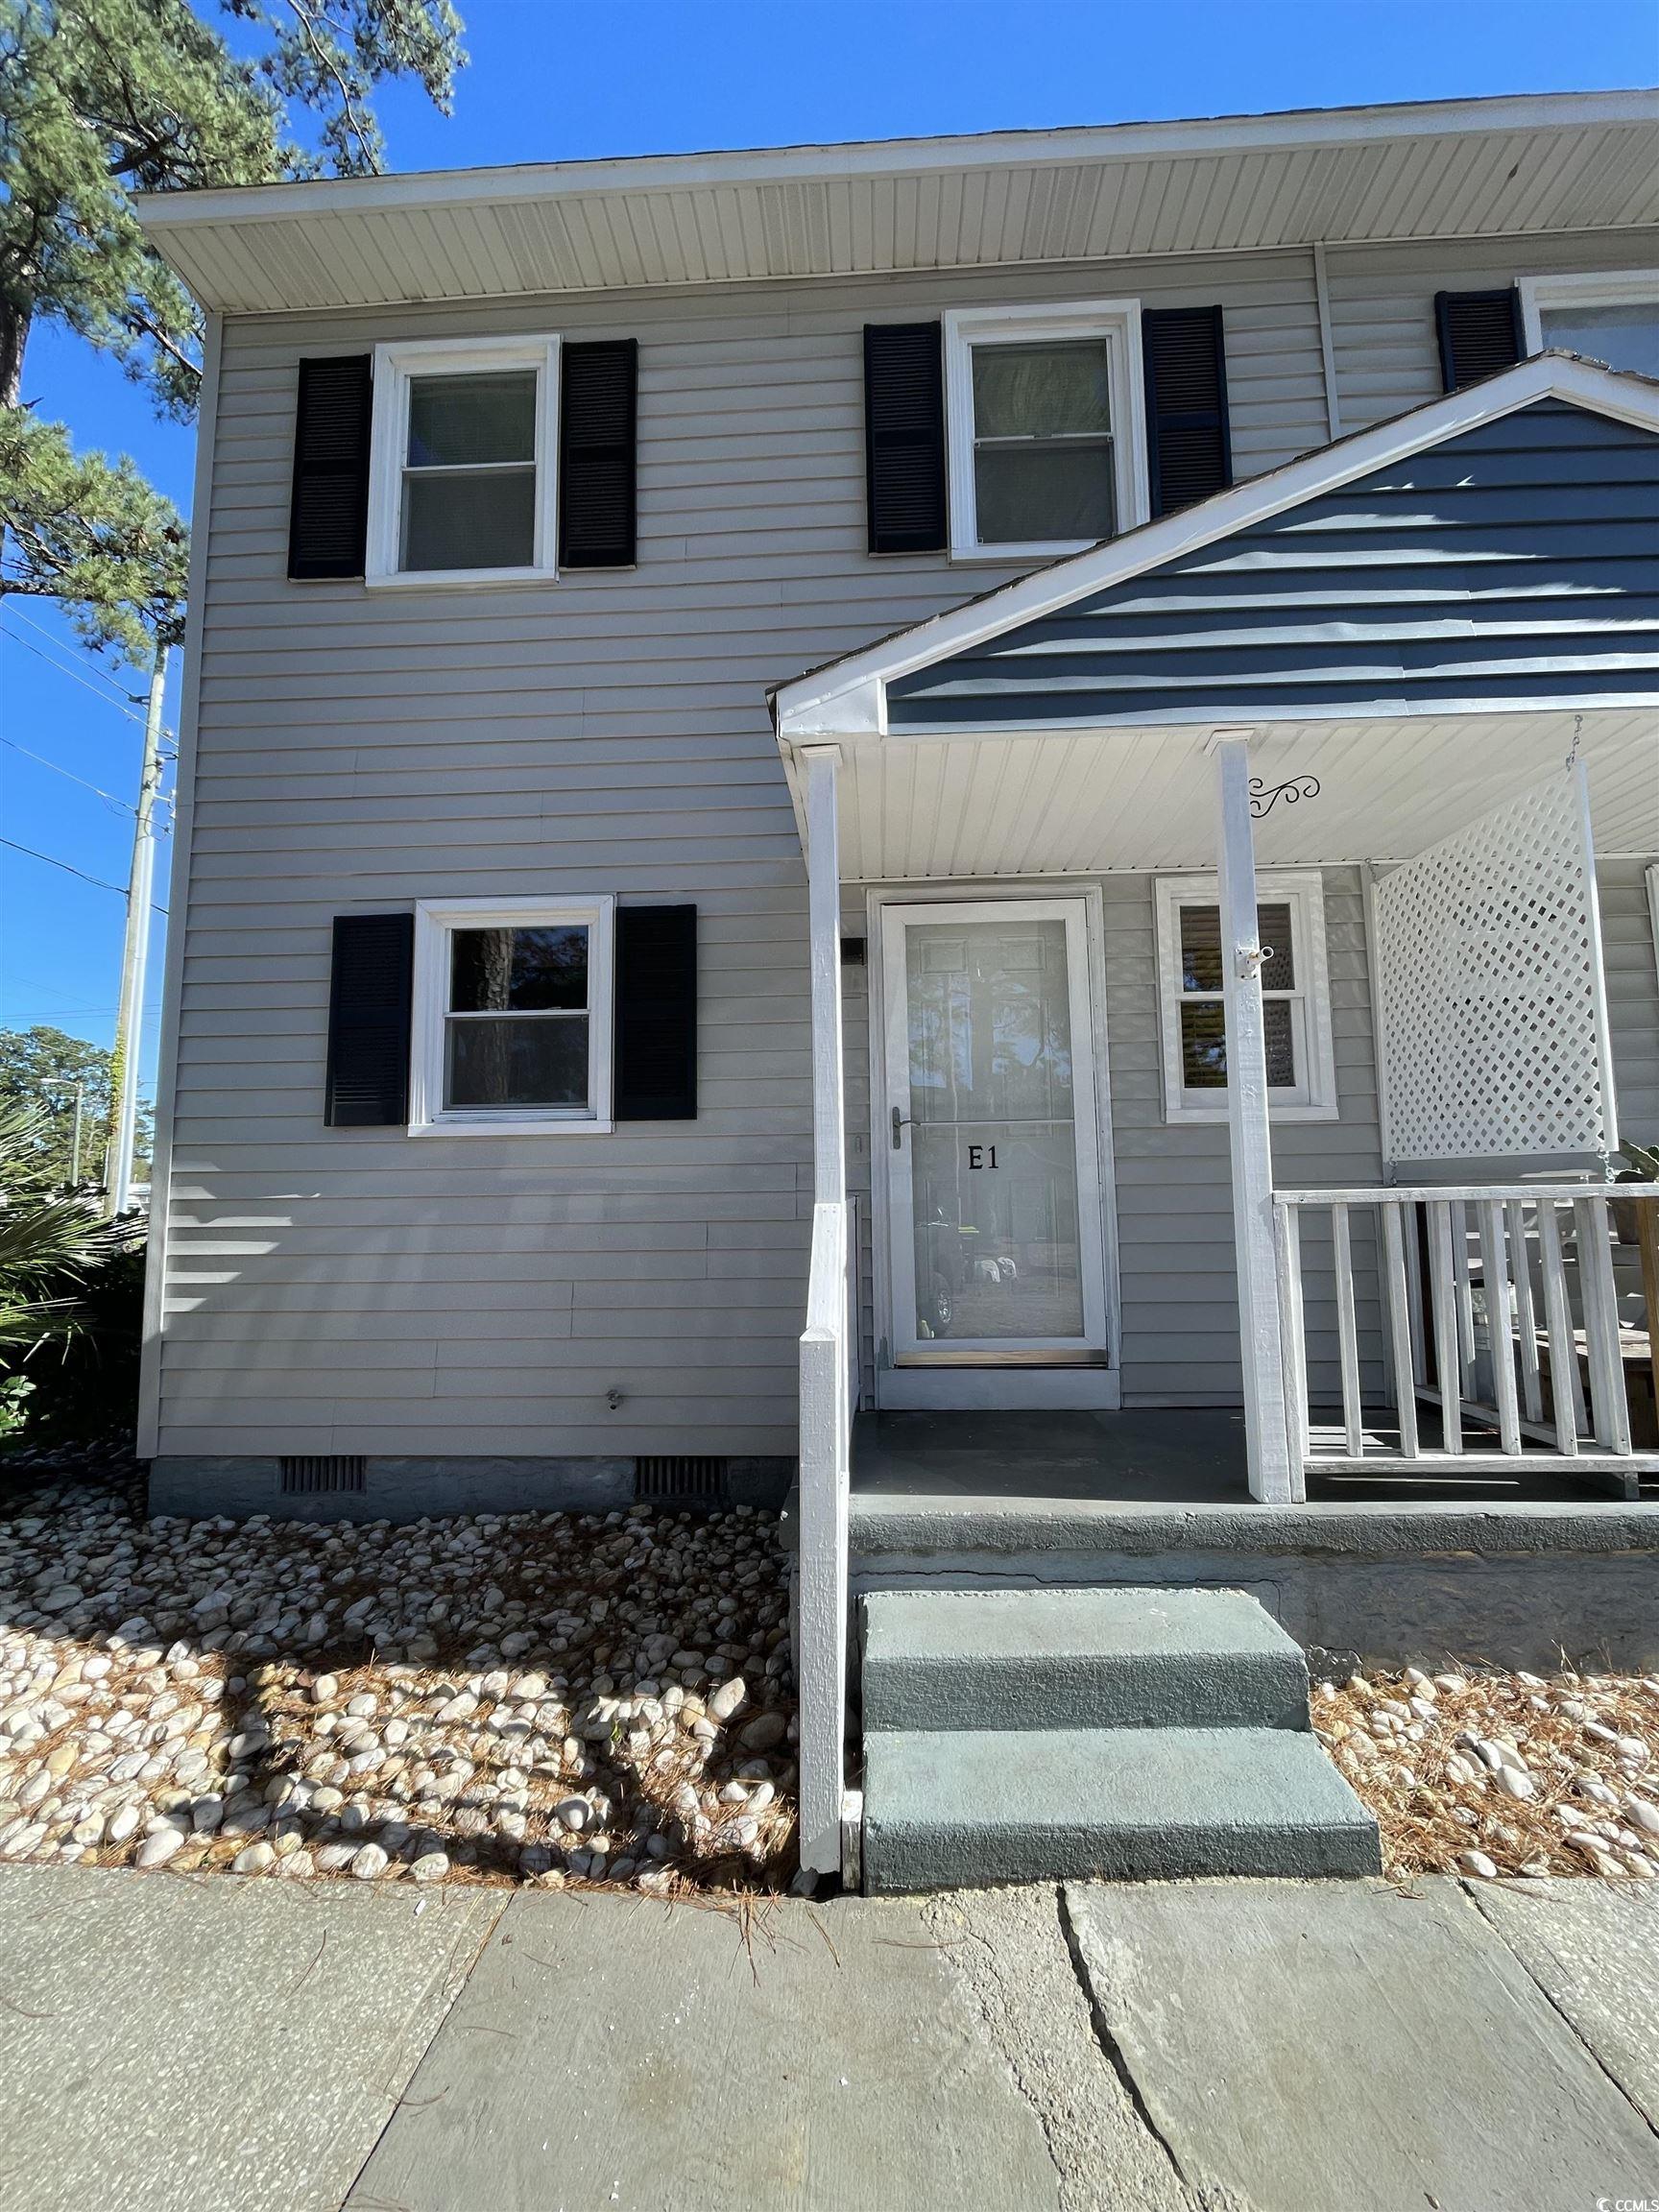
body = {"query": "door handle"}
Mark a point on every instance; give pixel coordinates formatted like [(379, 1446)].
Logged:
[(899, 1122)]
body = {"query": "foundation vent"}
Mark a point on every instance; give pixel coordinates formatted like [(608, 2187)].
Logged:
[(681, 1481), (313, 1475)]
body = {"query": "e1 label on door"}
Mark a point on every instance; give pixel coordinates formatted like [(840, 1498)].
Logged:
[(981, 1156)]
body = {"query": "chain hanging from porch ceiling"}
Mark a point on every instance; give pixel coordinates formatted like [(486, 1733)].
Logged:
[(1492, 1007)]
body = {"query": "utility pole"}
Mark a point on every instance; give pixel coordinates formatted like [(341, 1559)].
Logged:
[(135, 953), (75, 1142)]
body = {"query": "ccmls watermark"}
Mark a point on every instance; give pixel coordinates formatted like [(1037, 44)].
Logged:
[(1628, 2205)]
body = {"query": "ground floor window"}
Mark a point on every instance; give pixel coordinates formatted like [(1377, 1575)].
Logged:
[(513, 1015), (1295, 989)]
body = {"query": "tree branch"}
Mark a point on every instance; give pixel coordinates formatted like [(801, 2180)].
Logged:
[(320, 53), (142, 326)]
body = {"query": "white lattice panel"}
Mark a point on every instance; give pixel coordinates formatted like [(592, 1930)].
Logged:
[(1493, 1012)]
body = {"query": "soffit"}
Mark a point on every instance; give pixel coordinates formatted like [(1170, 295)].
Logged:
[(1467, 169)]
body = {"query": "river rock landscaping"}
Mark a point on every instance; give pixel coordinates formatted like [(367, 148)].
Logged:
[(1494, 1774), (576, 1700), (539, 1698)]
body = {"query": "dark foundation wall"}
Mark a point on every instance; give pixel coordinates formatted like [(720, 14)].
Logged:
[(413, 1489)]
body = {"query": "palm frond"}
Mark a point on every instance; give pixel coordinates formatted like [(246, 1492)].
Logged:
[(48, 1242)]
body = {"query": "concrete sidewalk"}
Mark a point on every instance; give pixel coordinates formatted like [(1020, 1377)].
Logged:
[(1241, 2047)]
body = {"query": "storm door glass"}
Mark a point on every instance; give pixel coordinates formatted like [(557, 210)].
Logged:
[(992, 1132)]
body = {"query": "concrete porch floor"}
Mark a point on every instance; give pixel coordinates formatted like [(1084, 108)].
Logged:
[(1148, 1457)]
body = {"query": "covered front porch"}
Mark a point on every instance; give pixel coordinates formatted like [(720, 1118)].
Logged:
[(1160, 1456), (1367, 1151), (1105, 1146)]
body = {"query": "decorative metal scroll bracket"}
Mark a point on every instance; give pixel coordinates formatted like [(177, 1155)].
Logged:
[(1264, 800)]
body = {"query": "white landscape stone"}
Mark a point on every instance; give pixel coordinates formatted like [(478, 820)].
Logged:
[(184, 1720)]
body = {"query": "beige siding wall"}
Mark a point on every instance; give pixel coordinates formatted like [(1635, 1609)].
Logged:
[(1383, 304), (360, 1291)]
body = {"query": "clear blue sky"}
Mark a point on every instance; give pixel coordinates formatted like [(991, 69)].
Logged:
[(566, 79)]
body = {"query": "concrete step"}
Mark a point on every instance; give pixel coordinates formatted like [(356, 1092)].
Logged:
[(1125, 1658), (956, 1808)]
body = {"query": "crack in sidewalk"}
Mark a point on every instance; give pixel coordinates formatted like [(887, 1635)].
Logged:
[(1014, 1959), (1472, 1890), (1110, 2046)]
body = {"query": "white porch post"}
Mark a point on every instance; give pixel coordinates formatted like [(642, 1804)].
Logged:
[(824, 930), (1274, 1478), (826, 1413)]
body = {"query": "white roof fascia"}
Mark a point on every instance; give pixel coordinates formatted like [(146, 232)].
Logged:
[(1283, 132), (847, 698)]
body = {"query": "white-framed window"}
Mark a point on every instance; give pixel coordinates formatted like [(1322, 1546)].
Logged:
[(513, 1016), (1295, 991), (1046, 424), (1606, 315), (463, 485)]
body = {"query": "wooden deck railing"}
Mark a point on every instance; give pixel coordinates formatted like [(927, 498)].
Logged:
[(1497, 1338)]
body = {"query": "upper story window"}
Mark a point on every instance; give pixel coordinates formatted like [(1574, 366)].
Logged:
[(462, 477), (512, 1015), (1046, 425), (1606, 316), (1295, 995)]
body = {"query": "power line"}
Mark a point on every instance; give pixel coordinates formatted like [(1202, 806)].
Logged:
[(126, 806), (52, 862), (74, 675), (97, 675)]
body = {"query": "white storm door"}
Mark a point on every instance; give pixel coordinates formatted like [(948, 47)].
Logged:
[(990, 1135)]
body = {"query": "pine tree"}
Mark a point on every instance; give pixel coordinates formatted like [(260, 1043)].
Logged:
[(100, 98)]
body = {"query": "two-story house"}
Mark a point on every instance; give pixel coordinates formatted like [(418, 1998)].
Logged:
[(1039, 752)]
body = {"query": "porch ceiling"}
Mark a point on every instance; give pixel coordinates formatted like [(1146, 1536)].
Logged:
[(1083, 802)]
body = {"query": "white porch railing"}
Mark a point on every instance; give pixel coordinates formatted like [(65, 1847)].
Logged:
[(1499, 1336), (827, 1366)]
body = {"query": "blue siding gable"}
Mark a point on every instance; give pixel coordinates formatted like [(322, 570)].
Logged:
[(1514, 562)]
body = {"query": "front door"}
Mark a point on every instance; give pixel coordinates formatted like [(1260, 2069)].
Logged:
[(990, 1135)]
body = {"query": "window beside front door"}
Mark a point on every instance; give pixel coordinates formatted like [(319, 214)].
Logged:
[(513, 1016), (1046, 428), (1295, 994), (462, 471)]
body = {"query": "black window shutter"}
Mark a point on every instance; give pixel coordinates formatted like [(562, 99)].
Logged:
[(328, 518), (656, 1013), (598, 418), (1479, 333), (1189, 447), (904, 436), (369, 1004)]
